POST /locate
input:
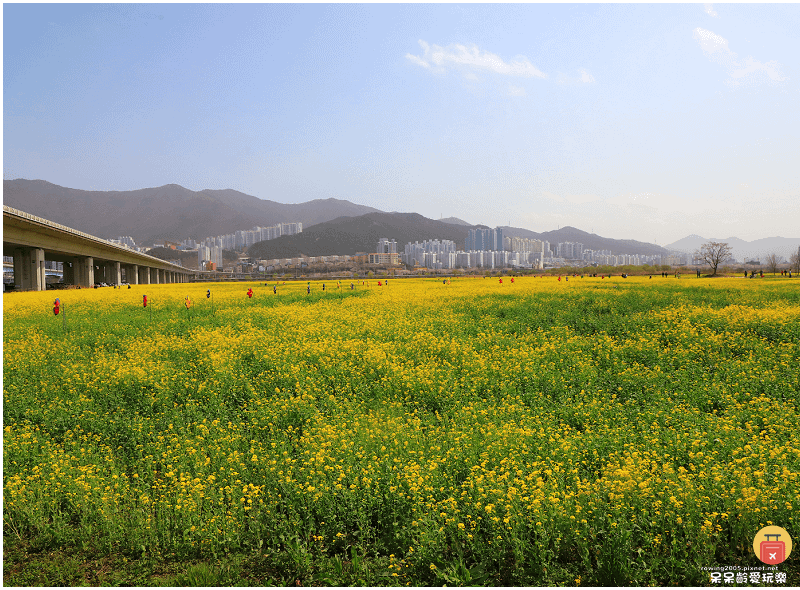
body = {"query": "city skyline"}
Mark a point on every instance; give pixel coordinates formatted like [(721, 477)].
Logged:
[(646, 122)]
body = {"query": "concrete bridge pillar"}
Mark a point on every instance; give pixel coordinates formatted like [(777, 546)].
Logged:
[(83, 271), (29, 274), (112, 273), (132, 274), (144, 275)]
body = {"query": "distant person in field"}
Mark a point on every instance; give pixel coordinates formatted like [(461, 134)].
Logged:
[(274, 289)]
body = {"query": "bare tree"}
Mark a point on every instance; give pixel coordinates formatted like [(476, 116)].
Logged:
[(772, 262), (714, 254), (794, 261)]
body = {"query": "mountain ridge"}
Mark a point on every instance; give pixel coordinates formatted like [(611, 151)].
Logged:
[(742, 249), (168, 212), (172, 212)]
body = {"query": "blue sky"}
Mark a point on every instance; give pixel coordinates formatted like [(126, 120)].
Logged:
[(648, 122)]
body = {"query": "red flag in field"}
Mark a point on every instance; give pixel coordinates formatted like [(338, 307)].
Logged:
[(56, 306), (250, 292)]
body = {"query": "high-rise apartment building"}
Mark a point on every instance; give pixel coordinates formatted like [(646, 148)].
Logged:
[(387, 246), (203, 255), (484, 239)]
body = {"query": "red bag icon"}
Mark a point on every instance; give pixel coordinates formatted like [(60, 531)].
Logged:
[(772, 552)]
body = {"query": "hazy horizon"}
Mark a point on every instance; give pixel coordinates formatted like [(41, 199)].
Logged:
[(645, 122)]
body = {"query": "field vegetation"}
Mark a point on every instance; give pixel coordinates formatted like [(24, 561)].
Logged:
[(425, 432)]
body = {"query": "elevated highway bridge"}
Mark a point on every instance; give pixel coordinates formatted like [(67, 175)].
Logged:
[(86, 259)]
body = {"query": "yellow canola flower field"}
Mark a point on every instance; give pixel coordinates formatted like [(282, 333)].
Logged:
[(613, 431)]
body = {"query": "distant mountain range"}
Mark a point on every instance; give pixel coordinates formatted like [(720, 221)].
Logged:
[(741, 248), (589, 241), (348, 235), (455, 221), (169, 212), (330, 226)]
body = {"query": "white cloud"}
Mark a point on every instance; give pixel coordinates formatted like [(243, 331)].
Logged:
[(716, 49), (750, 66), (583, 77), (710, 10), (418, 61), (710, 42), (472, 57)]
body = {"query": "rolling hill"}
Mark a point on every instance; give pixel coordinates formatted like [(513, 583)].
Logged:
[(331, 226), (348, 235), (169, 212)]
